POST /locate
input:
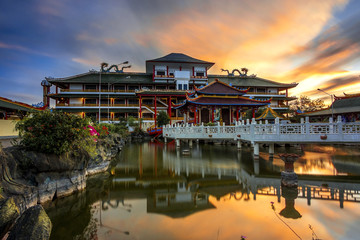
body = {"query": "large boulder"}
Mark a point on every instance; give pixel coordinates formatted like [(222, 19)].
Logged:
[(8, 214), (34, 223)]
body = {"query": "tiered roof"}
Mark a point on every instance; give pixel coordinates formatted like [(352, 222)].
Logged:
[(221, 94), (269, 114), (220, 88)]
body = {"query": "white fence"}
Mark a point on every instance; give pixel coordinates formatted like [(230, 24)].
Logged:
[(304, 132)]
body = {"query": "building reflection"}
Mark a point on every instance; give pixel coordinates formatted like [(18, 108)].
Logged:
[(180, 182)]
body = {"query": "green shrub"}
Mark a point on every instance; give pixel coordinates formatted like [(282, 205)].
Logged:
[(162, 118), (56, 133)]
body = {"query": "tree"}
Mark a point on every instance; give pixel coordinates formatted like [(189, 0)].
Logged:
[(162, 118), (305, 104)]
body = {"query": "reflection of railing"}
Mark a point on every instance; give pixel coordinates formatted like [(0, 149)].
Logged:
[(317, 192)]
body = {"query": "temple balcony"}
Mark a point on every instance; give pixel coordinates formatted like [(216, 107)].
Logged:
[(96, 105), (95, 91)]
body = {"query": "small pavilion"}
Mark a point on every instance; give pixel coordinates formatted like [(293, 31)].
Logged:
[(269, 114), (218, 101)]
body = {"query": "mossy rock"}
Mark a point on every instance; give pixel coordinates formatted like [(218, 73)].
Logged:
[(8, 214), (34, 223)]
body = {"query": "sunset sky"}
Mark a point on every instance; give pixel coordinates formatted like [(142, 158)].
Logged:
[(314, 43)]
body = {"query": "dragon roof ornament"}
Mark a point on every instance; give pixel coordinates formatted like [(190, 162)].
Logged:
[(104, 65), (242, 72)]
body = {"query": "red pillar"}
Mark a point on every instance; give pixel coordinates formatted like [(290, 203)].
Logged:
[(237, 114), (212, 114), (195, 116), (140, 107), (155, 111), (169, 108), (253, 112), (231, 115)]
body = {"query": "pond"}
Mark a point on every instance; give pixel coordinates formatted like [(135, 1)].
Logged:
[(155, 191)]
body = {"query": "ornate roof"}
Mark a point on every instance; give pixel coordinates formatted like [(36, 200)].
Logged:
[(220, 94), (6, 103), (179, 58), (250, 81), (220, 88), (269, 114)]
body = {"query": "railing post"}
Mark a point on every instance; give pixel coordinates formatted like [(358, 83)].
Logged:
[(339, 124), (302, 125), (307, 126), (277, 126), (331, 126)]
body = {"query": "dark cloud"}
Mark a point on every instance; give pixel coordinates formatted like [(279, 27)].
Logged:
[(331, 50)]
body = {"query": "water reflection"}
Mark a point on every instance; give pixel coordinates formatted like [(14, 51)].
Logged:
[(154, 188)]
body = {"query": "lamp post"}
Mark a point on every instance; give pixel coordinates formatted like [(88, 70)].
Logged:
[(332, 102), (100, 95)]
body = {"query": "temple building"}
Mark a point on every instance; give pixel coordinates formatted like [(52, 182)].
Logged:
[(218, 101), (112, 93), (348, 106), (13, 110)]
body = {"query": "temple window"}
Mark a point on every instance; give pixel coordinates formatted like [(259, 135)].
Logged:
[(179, 86), (133, 101), (200, 74), (119, 87), (105, 101), (161, 73), (90, 100), (132, 88), (161, 87), (119, 101), (90, 87), (261, 90)]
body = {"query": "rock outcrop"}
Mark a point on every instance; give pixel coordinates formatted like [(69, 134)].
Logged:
[(8, 214), (38, 177), (34, 223)]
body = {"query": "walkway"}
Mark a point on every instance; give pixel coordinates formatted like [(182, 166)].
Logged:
[(257, 132)]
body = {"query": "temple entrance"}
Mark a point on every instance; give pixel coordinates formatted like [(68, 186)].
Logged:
[(225, 114), (205, 115)]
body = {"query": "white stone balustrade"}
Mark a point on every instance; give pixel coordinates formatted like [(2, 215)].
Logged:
[(303, 132)]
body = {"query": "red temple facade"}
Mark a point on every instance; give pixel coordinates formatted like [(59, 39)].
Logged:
[(218, 101)]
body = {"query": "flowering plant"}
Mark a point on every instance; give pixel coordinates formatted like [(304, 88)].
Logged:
[(56, 133)]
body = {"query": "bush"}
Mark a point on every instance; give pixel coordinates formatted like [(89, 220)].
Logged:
[(162, 118), (57, 133)]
